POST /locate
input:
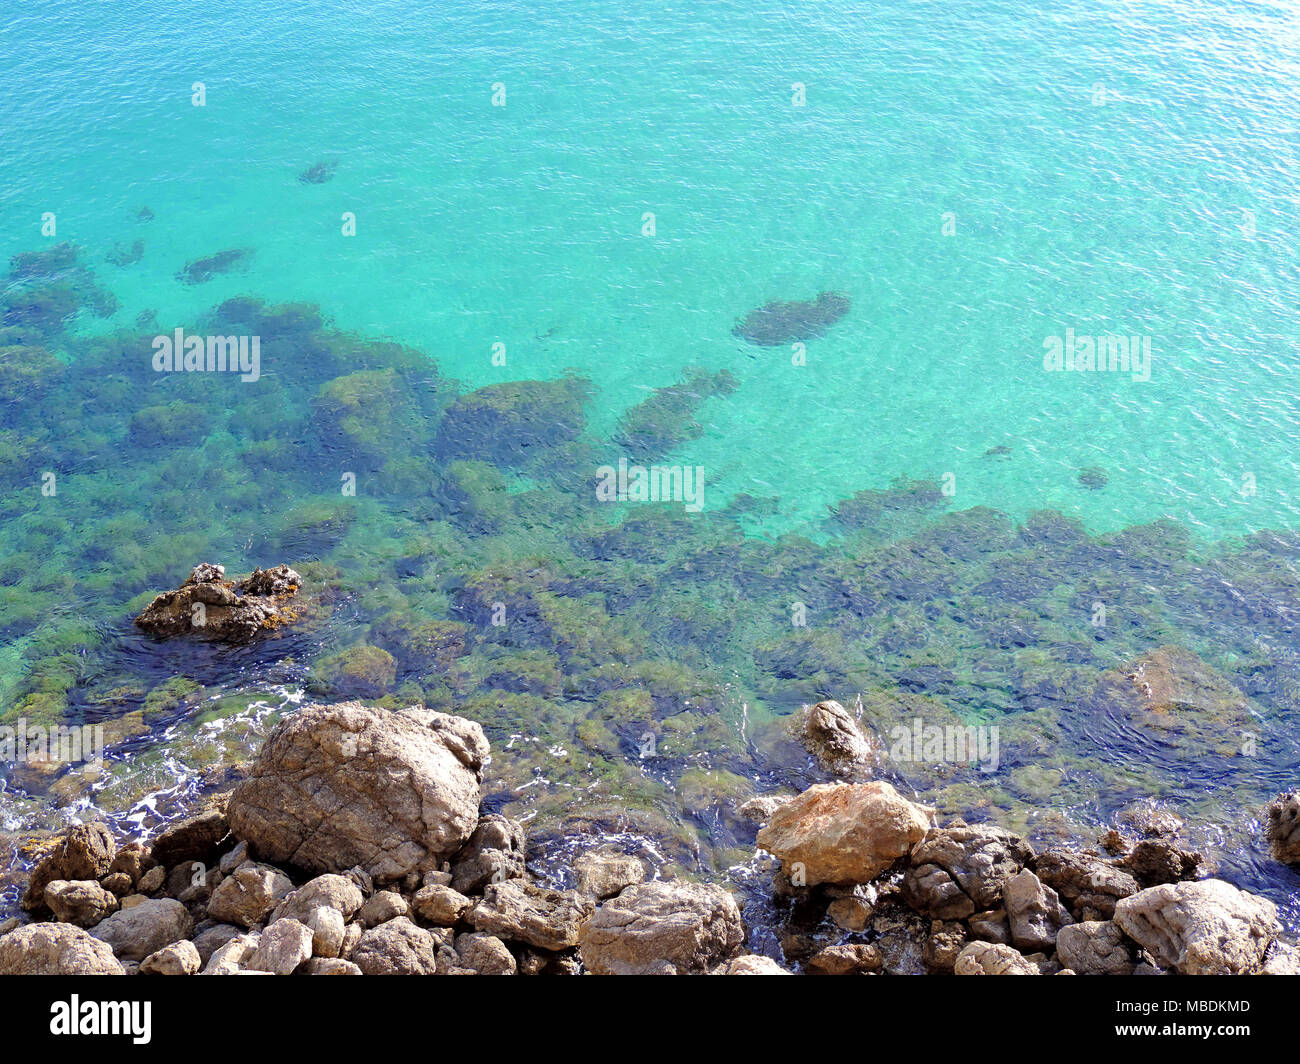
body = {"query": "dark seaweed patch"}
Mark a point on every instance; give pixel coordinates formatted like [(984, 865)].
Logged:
[(778, 323), (319, 173), (666, 420), (202, 270)]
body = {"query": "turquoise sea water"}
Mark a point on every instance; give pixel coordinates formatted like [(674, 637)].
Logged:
[(976, 178), (478, 224)]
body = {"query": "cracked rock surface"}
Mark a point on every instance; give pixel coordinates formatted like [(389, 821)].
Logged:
[(344, 785)]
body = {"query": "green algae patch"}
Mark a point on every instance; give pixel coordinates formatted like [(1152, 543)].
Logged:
[(360, 671)]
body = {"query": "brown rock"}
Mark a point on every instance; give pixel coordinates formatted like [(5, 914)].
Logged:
[(85, 851), (192, 840), (349, 785), (990, 958), (210, 607), (440, 906), (602, 873), (663, 928), (1203, 928), (248, 894), (136, 931), (1089, 885), (56, 949), (830, 733), (1284, 827), (1034, 912), (493, 854), (79, 901), (485, 955), (843, 832), (397, 947), (519, 912), (180, 958), (846, 959), (960, 870), (1156, 861), (1094, 947)]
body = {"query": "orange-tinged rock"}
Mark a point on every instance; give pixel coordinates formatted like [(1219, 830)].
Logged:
[(843, 832)]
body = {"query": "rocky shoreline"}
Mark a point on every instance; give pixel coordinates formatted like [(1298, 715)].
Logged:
[(355, 843)]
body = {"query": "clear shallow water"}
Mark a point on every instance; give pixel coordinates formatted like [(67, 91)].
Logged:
[(523, 225), (479, 224)]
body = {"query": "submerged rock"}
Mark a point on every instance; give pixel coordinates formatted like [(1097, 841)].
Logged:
[(1094, 478), (1178, 700), (319, 173), (602, 874), (666, 420), (202, 270), (778, 323), (338, 786), (211, 607)]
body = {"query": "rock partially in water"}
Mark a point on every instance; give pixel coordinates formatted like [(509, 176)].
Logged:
[(344, 785), (778, 323), (1204, 928), (1156, 861), (210, 607), (843, 832), (86, 851), (1284, 827), (828, 731)]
